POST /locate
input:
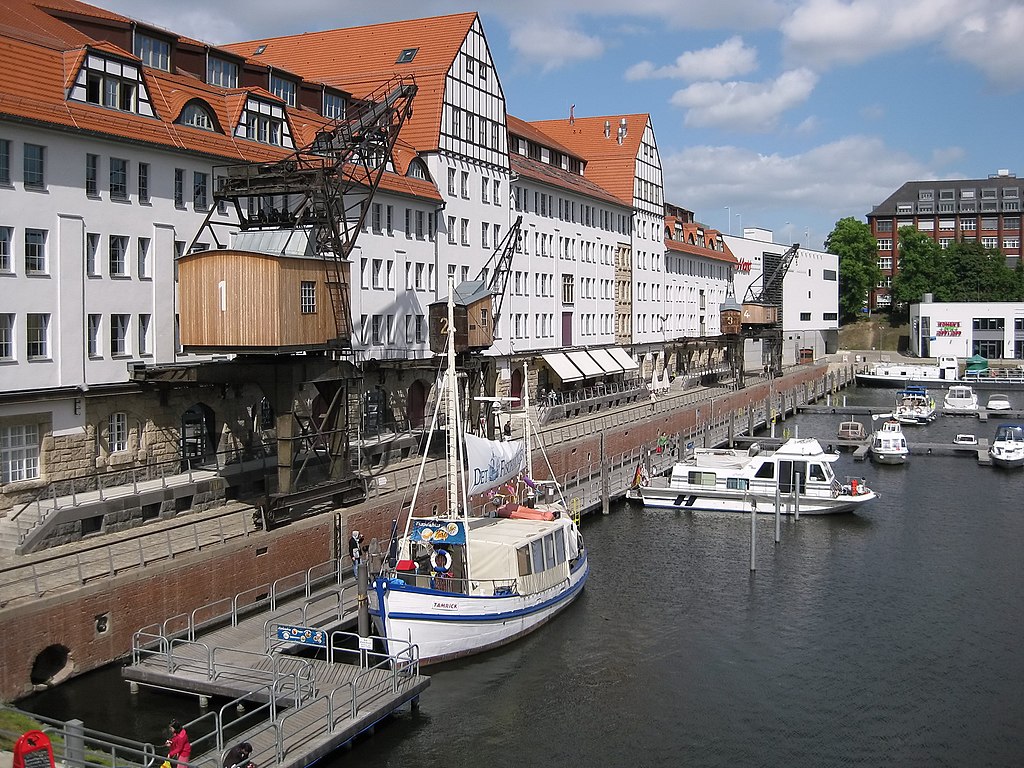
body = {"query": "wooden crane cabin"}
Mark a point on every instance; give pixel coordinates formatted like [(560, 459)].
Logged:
[(473, 311), (255, 301)]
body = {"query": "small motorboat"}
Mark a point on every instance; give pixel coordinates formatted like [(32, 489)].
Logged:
[(998, 402), (960, 399), (888, 444), (1007, 448), (968, 440), (852, 430)]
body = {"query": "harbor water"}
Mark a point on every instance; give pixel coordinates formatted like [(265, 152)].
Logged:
[(887, 637)]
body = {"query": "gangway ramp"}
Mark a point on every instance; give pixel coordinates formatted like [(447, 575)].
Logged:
[(302, 708)]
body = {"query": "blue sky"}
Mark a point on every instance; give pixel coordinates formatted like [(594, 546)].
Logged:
[(781, 114)]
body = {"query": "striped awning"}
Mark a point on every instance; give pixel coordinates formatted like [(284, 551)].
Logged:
[(585, 363), (623, 358), (559, 363), (604, 358)]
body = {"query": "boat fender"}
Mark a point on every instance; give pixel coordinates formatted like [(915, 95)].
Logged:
[(441, 560)]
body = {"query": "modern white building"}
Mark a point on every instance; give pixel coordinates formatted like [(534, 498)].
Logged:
[(810, 295), (992, 329)]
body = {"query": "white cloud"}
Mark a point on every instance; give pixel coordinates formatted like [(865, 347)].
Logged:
[(743, 105), (992, 43), (812, 189), (729, 59), (551, 46)]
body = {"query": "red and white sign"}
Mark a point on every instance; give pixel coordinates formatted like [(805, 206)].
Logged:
[(742, 265), (33, 750), (948, 328)]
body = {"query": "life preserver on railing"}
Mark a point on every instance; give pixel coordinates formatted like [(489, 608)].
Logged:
[(441, 560)]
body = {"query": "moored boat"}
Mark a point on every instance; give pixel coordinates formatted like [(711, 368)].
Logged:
[(852, 430), (731, 480), (997, 402), (914, 406), (960, 398), (888, 443), (1007, 449), (458, 585), (903, 374)]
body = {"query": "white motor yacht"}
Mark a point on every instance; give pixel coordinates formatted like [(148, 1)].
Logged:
[(888, 444), (1007, 449), (997, 402), (960, 398)]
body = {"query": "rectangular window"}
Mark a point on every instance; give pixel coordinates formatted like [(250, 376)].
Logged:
[(118, 179), (408, 222), (375, 331), (92, 251), (117, 432), (484, 187), (118, 335), (37, 336), (143, 270), (883, 225), (222, 73), (568, 284), (1011, 242), (19, 453), (484, 231), (117, 252), (465, 185), (990, 242), (145, 321), (451, 231), (830, 316), (497, 192), (805, 316), (6, 336), (35, 252), (179, 187), (451, 181), (464, 226), (200, 190), (5, 162), (969, 225), (376, 218), (143, 182), (154, 53), (6, 259), (283, 89), (307, 297), (93, 339), (92, 175), (334, 106), (378, 273), (885, 244), (420, 225), (35, 167)]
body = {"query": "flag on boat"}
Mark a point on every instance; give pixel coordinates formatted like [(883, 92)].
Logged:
[(641, 476), (491, 463)]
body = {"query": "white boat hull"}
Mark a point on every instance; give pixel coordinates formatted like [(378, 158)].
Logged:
[(446, 625), (691, 500), (888, 457), (1008, 460)]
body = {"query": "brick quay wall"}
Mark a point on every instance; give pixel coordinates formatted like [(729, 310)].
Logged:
[(94, 624)]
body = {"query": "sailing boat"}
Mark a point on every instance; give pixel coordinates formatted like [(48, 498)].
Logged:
[(461, 585)]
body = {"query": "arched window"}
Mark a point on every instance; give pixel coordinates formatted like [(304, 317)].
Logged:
[(418, 170), (198, 116)]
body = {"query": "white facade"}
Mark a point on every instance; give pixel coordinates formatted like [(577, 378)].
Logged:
[(695, 287), (648, 244), (88, 280), (992, 329), (810, 292)]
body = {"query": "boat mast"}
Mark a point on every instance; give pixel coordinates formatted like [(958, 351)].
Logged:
[(527, 419), (452, 412)]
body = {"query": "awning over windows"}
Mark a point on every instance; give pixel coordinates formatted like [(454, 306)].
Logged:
[(585, 363), (623, 358), (559, 363), (603, 358)]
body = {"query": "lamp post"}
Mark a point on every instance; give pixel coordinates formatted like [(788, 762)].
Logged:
[(728, 217), (740, 217)]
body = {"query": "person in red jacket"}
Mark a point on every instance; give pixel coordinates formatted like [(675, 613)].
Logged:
[(178, 746)]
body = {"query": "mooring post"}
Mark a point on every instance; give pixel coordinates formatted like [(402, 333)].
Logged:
[(362, 582), (796, 497), (753, 535), (606, 502), (778, 512), (74, 743)]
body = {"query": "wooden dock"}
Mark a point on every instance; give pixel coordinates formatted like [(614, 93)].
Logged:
[(297, 709)]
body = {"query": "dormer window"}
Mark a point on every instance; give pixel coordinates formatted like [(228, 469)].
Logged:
[(113, 84), (264, 122), (284, 89), (334, 106), (153, 52), (418, 170), (198, 116), (406, 56)]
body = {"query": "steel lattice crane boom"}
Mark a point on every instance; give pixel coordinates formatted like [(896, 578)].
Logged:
[(324, 189)]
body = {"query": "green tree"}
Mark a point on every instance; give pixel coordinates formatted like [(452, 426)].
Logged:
[(922, 269), (851, 240)]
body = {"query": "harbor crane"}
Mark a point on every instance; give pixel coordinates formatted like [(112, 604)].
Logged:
[(760, 316)]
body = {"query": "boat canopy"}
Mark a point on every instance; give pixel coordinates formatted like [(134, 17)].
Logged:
[(495, 551)]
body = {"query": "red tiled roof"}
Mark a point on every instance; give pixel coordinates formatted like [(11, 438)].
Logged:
[(517, 127), (360, 59), (42, 57), (549, 174), (609, 164)]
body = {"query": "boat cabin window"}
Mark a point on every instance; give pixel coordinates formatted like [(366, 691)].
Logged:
[(537, 555), (701, 478), (817, 473), (523, 555), (737, 483), (765, 470), (559, 548)]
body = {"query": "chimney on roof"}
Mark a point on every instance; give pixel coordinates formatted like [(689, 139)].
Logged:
[(623, 127), (620, 134), (607, 128)]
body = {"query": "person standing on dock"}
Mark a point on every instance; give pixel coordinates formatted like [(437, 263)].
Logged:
[(178, 746), (355, 548)]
